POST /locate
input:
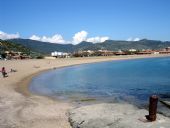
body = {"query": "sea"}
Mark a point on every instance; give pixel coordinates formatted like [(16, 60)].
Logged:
[(130, 81)]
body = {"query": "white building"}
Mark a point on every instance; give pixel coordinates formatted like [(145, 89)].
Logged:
[(60, 54), (132, 50)]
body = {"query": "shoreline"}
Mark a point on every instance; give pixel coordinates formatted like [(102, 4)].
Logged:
[(26, 81), (23, 85), (20, 87)]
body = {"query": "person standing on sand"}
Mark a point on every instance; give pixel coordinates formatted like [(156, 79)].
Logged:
[(4, 74)]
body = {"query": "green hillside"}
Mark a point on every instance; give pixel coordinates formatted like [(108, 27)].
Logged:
[(10, 46), (44, 47)]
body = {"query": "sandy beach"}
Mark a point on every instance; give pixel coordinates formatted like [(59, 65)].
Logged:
[(21, 109)]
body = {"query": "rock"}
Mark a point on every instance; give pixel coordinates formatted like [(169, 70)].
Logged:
[(114, 116)]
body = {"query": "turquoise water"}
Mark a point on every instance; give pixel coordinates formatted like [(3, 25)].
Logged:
[(124, 80)]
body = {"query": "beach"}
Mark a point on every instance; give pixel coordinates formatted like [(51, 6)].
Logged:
[(21, 109)]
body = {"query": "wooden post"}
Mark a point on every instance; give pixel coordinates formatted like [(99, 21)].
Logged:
[(152, 108)]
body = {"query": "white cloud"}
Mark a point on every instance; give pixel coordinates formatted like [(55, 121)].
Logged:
[(82, 36), (97, 39), (133, 39), (34, 37), (53, 39), (129, 39), (77, 38), (5, 36), (136, 39)]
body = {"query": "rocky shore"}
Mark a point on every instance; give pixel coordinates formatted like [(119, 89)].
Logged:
[(114, 116)]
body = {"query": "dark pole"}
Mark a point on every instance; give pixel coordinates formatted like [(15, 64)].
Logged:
[(152, 108)]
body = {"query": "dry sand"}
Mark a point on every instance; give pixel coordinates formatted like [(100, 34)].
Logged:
[(20, 109)]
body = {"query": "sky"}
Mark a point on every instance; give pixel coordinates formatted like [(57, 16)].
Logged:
[(73, 21)]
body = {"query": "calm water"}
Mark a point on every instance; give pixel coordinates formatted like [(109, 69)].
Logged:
[(126, 80)]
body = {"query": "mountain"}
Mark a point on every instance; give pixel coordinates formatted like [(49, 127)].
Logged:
[(114, 45), (6, 45), (139, 45), (84, 46), (9, 46), (43, 47)]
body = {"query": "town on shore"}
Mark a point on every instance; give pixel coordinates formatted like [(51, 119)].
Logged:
[(8, 55)]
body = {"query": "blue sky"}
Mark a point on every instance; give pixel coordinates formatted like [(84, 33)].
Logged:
[(89, 19)]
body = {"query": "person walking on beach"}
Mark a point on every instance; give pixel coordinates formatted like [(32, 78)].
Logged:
[(4, 74)]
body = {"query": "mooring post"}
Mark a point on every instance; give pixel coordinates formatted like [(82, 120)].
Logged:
[(153, 101)]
